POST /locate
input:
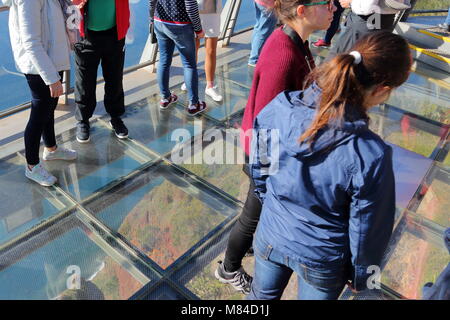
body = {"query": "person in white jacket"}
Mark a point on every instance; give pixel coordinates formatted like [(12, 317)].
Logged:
[(367, 16), (41, 49)]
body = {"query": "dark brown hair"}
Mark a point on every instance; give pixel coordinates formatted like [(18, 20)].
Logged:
[(286, 10), (386, 60)]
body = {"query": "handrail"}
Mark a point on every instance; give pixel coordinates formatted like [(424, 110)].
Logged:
[(4, 8), (428, 11)]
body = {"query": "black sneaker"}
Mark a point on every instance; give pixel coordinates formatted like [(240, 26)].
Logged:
[(194, 109), (83, 132), (119, 128), (240, 280)]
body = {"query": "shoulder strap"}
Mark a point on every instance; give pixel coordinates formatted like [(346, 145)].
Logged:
[(298, 42)]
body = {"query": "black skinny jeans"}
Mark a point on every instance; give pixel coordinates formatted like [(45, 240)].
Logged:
[(99, 47), (42, 118), (241, 236)]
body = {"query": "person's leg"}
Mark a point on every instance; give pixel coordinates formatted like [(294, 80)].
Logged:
[(316, 284), (166, 47), (210, 69), (211, 60), (355, 28), (87, 59), (48, 134), (41, 112), (446, 24), (241, 236), (113, 57), (335, 23), (447, 20), (265, 24), (41, 118), (185, 42), (271, 274)]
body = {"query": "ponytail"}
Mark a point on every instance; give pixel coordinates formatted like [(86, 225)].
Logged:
[(381, 58)]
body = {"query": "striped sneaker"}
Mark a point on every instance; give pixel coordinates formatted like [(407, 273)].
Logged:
[(240, 280)]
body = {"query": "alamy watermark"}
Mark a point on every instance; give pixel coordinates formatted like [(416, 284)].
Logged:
[(374, 281), (73, 282)]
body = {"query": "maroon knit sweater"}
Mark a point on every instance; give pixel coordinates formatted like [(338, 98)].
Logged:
[(281, 66)]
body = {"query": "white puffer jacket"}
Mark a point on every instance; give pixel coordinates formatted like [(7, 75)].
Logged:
[(38, 38)]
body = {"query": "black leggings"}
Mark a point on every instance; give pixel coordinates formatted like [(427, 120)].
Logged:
[(42, 118), (241, 236)]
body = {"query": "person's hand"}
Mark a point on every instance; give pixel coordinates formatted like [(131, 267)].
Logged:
[(200, 34), (350, 286), (345, 3), (80, 3), (56, 89)]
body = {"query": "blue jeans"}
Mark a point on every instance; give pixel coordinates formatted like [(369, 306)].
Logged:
[(273, 270), (447, 21), (265, 24), (181, 37)]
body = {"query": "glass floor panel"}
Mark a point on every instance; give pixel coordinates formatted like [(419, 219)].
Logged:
[(222, 163), (23, 204), (234, 99), (67, 261), (160, 130), (406, 130), (237, 71), (163, 212), (418, 257), (423, 97), (435, 201), (100, 162)]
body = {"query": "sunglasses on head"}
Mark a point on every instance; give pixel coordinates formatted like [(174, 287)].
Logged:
[(329, 4)]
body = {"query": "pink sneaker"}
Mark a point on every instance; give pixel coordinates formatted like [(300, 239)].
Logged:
[(321, 44)]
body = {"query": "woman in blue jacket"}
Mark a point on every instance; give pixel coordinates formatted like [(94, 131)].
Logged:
[(325, 180)]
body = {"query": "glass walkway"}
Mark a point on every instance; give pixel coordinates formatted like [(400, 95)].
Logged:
[(136, 224)]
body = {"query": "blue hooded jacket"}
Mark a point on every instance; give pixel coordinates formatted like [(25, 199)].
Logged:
[(329, 205)]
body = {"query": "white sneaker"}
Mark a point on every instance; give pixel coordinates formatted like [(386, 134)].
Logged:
[(183, 87), (214, 94), (60, 154), (40, 175)]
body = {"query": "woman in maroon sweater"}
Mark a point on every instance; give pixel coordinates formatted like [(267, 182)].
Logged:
[(284, 63)]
